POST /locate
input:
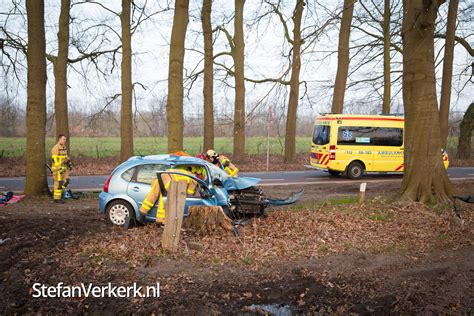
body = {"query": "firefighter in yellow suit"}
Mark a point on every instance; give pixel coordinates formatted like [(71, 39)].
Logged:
[(157, 194), (60, 167), (222, 162)]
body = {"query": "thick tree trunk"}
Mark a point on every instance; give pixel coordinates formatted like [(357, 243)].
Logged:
[(425, 177), (445, 101), (174, 107), (60, 72), (207, 220), (467, 125), (342, 57), (208, 89), (239, 111), (126, 113), (36, 101), (386, 58), (290, 136)]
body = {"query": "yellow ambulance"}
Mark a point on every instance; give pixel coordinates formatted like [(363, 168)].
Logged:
[(355, 144)]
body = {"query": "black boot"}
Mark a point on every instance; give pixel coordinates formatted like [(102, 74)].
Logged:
[(141, 219)]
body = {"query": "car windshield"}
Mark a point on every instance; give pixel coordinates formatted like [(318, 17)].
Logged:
[(217, 173)]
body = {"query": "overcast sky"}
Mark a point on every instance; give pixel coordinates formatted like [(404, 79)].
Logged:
[(265, 46)]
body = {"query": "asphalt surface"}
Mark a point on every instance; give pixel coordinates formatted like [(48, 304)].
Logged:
[(272, 178)]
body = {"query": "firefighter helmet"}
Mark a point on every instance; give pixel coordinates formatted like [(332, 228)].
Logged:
[(211, 153)]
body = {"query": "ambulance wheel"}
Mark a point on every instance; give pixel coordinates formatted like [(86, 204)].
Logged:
[(118, 211), (334, 172), (355, 170)]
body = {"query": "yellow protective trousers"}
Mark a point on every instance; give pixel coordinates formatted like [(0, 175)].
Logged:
[(60, 176), (155, 193)]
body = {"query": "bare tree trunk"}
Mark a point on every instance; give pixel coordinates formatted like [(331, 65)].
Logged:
[(386, 58), (239, 111), (208, 89), (342, 57), (447, 72), (60, 73), (425, 177), (174, 108), (36, 101), (290, 136), (126, 113), (467, 125)]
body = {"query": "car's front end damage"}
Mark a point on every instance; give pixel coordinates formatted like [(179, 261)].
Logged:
[(246, 199)]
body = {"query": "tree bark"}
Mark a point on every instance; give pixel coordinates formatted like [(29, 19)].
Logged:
[(60, 73), (386, 58), (207, 220), (126, 113), (36, 101), (342, 57), (425, 177), (290, 136), (174, 106), (467, 125), (445, 102), (238, 55), (208, 89)]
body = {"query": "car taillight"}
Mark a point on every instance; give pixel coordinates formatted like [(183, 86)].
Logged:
[(106, 185), (332, 152)]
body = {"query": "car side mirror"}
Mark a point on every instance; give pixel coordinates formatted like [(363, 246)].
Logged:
[(217, 182)]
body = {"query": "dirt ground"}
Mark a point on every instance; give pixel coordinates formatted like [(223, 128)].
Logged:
[(326, 254)]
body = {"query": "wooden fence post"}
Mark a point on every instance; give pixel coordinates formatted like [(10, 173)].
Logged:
[(362, 192), (175, 203)]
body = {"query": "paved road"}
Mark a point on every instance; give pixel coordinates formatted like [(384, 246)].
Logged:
[(273, 178)]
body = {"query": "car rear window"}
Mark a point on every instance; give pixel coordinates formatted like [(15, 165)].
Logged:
[(127, 175), (321, 134), (147, 173)]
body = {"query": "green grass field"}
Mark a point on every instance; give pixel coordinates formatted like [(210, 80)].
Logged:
[(110, 146)]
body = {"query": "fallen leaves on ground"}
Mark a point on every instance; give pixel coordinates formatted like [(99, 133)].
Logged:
[(376, 227)]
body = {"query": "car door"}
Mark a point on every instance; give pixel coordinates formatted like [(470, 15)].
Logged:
[(198, 199), (140, 184)]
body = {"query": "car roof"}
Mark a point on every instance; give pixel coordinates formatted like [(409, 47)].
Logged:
[(168, 158)]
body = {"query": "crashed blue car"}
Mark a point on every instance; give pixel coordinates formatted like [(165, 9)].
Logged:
[(130, 182)]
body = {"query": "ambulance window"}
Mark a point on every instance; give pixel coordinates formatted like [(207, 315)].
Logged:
[(388, 136), (147, 173), (321, 134), (355, 135)]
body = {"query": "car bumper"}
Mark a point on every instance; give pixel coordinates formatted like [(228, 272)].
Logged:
[(104, 199)]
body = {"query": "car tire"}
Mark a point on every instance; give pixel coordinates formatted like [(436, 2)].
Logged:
[(355, 170), (334, 172), (117, 212)]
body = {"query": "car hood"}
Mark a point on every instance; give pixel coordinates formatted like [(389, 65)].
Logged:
[(232, 184)]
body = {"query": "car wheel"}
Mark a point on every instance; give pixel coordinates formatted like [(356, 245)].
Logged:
[(334, 172), (355, 170), (118, 211)]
